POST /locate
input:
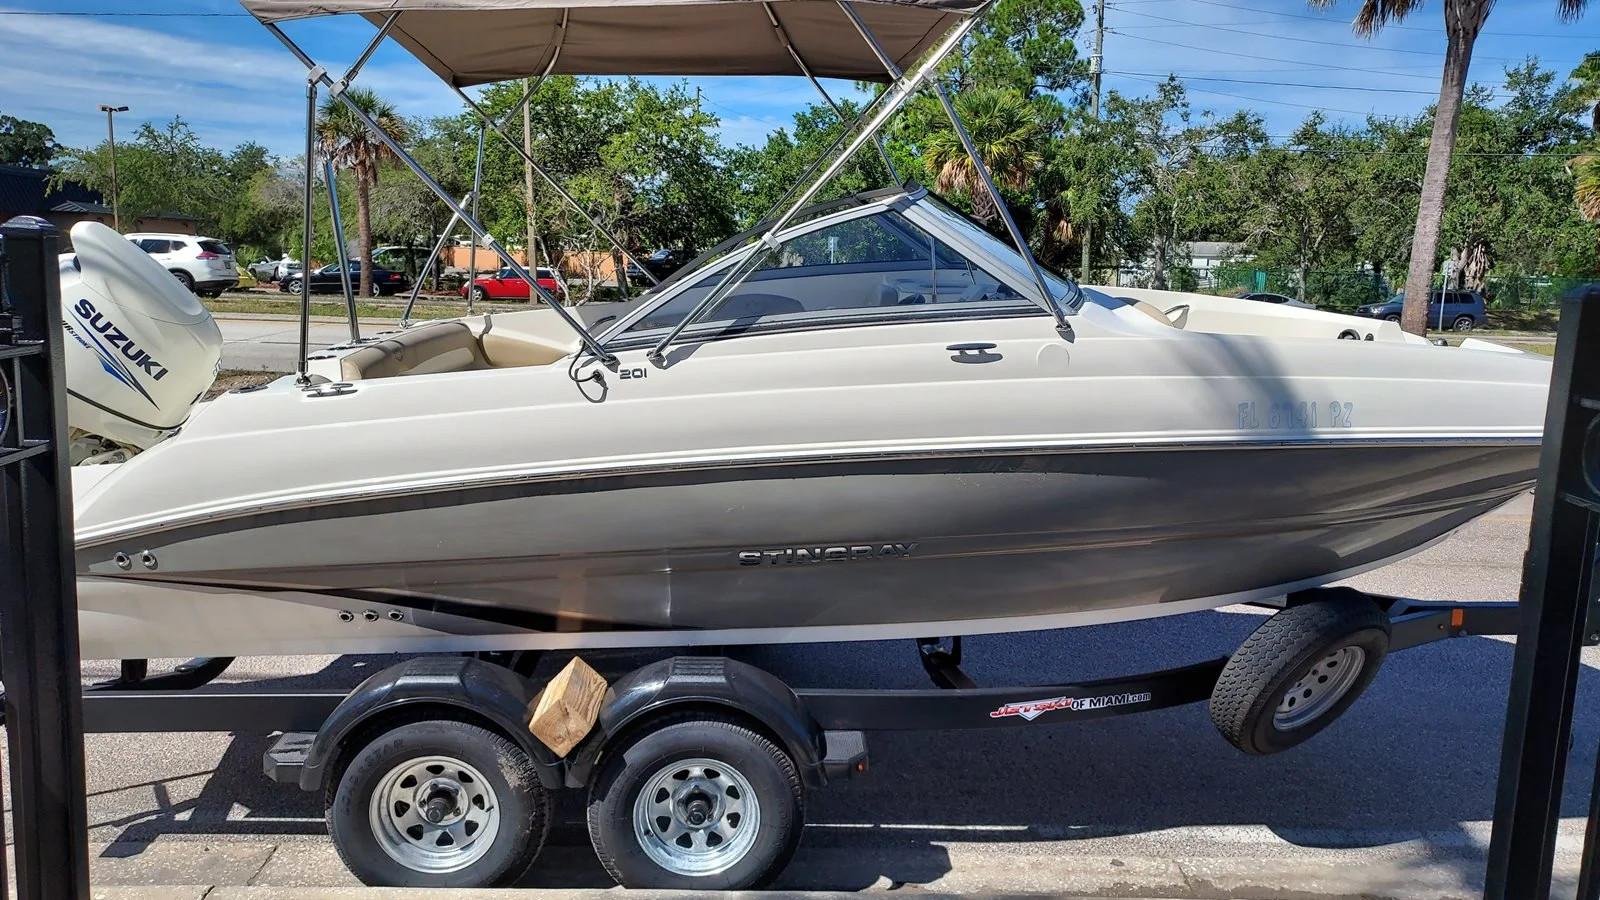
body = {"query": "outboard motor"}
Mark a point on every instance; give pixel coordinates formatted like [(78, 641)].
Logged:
[(141, 349)]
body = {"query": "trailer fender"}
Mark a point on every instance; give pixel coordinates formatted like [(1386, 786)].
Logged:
[(472, 688), (684, 682)]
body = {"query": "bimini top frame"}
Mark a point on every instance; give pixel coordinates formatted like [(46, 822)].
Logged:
[(471, 42)]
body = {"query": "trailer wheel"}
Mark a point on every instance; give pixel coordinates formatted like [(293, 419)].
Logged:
[(699, 804), (1297, 673), (439, 804)]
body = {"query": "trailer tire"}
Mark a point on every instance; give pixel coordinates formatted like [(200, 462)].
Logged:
[(732, 775), (1326, 652), (383, 847)]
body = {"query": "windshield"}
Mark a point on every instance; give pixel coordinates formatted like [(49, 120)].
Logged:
[(1063, 290), (872, 266)]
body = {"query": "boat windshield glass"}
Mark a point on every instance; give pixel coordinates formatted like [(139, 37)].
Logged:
[(975, 233), (879, 265)]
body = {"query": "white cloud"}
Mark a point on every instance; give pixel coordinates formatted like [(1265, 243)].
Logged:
[(1309, 48), (228, 92)]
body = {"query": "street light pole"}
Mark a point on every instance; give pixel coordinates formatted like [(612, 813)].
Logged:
[(111, 136)]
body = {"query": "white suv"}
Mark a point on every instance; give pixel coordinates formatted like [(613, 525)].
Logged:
[(203, 265)]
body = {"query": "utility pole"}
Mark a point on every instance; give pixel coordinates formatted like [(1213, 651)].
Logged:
[(111, 136), (527, 178), (1096, 64)]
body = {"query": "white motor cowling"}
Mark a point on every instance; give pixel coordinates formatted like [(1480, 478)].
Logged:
[(141, 350)]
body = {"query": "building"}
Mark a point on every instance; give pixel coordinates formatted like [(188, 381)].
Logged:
[(1201, 258), (27, 192), (1207, 255)]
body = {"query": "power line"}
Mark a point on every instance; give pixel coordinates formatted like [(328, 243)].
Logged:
[(1387, 27), (1299, 84), (1282, 37), (1489, 154), (1353, 112), (1301, 63)]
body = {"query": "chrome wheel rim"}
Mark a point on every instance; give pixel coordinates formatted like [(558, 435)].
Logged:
[(1319, 688), (434, 814), (696, 817)]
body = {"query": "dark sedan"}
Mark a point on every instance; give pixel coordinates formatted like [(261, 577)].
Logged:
[(326, 280)]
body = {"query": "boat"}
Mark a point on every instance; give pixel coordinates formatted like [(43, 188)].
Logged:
[(864, 419)]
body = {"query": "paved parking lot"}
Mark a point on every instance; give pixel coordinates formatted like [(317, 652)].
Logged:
[(1394, 799)]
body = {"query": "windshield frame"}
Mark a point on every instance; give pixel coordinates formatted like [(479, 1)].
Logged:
[(966, 238)]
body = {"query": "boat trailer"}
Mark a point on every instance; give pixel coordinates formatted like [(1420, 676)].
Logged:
[(1281, 687)]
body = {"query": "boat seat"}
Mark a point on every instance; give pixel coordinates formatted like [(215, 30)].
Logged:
[(425, 350), (515, 339)]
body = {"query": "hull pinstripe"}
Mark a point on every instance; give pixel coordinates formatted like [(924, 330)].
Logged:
[(1034, 540)]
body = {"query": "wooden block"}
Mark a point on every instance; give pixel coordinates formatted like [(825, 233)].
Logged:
[(567, 708)]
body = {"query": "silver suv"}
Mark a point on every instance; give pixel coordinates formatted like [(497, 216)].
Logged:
[(203, 265)]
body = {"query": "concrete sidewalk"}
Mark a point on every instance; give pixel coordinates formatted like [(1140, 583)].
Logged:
[(255, 870)]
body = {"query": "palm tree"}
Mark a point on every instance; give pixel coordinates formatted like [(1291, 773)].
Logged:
[(1586, 166), (1008, 137), (345, 139), (1463, 20)]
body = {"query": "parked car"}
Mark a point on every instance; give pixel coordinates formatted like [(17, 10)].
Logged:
[(507, 285), (664, 262), (203, 265), (1267, 297), (326, 280), (1461, 311), (265, 270)]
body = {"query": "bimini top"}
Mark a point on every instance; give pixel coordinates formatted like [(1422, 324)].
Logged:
[(470, 42)]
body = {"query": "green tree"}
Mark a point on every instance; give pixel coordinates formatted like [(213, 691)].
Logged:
[(1008, 136), (765, 174), (1508, 207), (1026, 45), (1585, 167), (1165, 173), (1302, 191), (25, 143), (346, 140), (166, 170), (1463, 21)]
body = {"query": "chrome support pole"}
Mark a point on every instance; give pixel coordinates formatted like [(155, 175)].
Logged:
[(889, 103), (303, 375), (330, 177), (554, 185), (1057, 309), (318, 74), (783, 37), (999, 202), (477, 196), (555, 54), (470, 199), (361, 61), (433, 257)]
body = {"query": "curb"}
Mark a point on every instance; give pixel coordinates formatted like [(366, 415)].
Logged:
[(842, 872)]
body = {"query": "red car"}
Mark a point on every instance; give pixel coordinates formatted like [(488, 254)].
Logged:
[(506, 285)]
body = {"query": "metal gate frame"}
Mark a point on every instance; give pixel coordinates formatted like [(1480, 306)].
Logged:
[(1560, 612), (38, 591)]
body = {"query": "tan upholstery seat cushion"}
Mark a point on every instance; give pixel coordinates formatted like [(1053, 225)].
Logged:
[(533, 338), (426, 350)]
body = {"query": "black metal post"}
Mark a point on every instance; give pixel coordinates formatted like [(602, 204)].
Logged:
[(39, 661), (1558, 599)]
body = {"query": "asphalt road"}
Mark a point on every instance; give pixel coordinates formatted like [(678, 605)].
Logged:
[(273, 344), (1400, 789)]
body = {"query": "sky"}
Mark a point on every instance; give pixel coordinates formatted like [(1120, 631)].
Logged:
[(233, 82)]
